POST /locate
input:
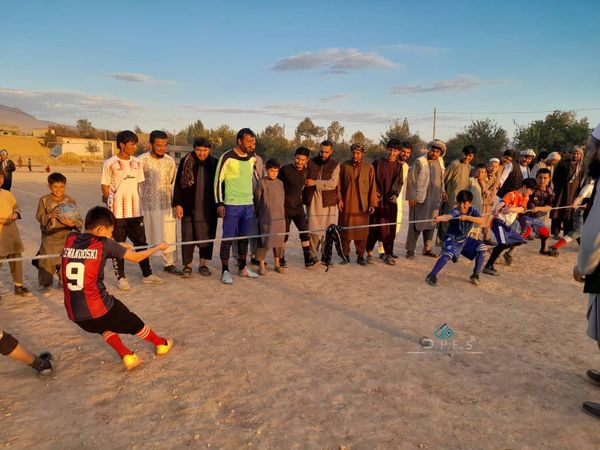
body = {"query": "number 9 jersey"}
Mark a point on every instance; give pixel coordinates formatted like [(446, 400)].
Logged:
[(83, 260)]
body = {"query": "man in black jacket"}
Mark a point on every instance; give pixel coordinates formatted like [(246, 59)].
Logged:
[(8, 167)]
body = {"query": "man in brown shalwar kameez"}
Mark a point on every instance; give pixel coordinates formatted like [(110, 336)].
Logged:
[(357, 199), (568, 179)]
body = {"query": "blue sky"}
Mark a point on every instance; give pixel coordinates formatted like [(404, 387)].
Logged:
[(165, 64)]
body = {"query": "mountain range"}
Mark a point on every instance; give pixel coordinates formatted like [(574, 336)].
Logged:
[(16, 117)]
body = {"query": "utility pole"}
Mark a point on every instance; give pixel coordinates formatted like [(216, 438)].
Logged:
[(434, 118)]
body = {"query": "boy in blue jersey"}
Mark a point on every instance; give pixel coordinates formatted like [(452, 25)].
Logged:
[(457, 241)]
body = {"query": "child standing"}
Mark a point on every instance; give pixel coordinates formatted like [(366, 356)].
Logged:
[(270, 209), (55, 227), (87, 301), (538, 207), (10, 240), (512, 204), (457, 241)]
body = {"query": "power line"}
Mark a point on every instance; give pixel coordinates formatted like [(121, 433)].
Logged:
[(517, 112)]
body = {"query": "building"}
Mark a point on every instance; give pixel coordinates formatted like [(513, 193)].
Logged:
[(86, 148)]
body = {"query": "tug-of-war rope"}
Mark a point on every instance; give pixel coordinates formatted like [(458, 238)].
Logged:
[(257, 236)]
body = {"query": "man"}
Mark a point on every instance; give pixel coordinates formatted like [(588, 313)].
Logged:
[(568, 179), (121, 175), (320, 194), (527, 157), (157, 199), (357, 199), (389, 181), (424, 192), (29, 164), (588, 264), (293, 177), (506, 165), (8, 167), (234, 199), (549, 163), (517, 174), (194, 202), (492, 184), (456, 179)]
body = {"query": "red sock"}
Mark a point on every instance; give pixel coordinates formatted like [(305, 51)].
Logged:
[(147, 334), (559, 244), (115, 342), (527, 232)]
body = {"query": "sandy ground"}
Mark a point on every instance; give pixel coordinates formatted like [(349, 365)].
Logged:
[(309, 359)]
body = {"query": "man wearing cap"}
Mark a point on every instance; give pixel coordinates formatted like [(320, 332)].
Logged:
[(527, 157), (424, 192), (568, 179), (8, 167), (518, 172), (357, 199), (549, 163)]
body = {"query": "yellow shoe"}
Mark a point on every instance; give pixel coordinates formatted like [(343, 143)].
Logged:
[(131, 361), (162, 350)]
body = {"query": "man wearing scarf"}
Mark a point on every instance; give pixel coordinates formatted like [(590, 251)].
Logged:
[(568, 179), (357, 199), (195, 206)]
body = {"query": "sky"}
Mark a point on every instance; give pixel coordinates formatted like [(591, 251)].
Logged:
[(163, 65)]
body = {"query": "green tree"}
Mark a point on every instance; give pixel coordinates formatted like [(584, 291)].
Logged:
[(272, 143), (486, 135), (400, 130), (93, 148), (194, 130), (223, 138), (308, 131), (335, 132), (85, 128), (559, 131)]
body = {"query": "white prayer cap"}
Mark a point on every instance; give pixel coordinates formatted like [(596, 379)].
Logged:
[(552, 156), (493, 160), (528, 152)]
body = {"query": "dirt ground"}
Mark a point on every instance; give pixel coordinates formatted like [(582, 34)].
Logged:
[(308, 359)]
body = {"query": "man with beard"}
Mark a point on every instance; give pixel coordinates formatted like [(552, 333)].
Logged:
[(320, 194), (388, 177), (568, 179), (235, 202), (588, 263), (424, 192), (156, 197), (194, 202), (293, 177), (518, 172), (357, 199)]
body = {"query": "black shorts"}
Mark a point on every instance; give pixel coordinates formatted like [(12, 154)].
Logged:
[(118, 320)]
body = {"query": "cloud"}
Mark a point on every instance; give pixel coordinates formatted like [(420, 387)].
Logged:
[(137, 78), (460, 83), (334, 60), (334, 98), (66, 105)]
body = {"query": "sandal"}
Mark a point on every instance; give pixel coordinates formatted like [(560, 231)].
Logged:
[(186, 272), (204, 271)]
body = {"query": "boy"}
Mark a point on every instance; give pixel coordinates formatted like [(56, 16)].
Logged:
[(538, 207), (10, 240), (505, 214), (270, 209), (55, 227), (121, 175), (457, 241), (9, 346), (87, 301)]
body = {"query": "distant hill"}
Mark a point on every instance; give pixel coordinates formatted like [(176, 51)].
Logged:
[(16, 117)]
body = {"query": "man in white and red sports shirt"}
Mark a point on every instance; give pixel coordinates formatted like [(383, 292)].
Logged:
[(121, 175)]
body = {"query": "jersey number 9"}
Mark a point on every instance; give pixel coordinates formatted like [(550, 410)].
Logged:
[(74, 273)]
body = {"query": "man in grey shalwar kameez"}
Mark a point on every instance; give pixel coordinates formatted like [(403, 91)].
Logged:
[(424, 192)]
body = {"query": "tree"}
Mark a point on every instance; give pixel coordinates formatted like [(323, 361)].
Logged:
[(85, 128), (359, 138), (93, 148), (335, 132), (486, 135), (193, 131), (401, 130), (308, 131), (559, 131), (272, 143), (138, 130)]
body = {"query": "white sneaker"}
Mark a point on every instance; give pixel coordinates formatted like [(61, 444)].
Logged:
[(152, 279), (226, 277), (249, 273), (123, 284)]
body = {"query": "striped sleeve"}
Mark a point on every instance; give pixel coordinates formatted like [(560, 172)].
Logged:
[(220, 177)]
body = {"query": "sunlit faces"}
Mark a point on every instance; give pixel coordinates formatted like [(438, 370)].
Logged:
[(57, 190), (392, 154), (247, 144), (493, 166), (129, 148), (526, 160), (506, 160), (326, 151), (404, 154), (272, 173), (543, 179), (464, 207), (434, 153), (202, 152), (576, 155), (300, 161), (468, 158), (480, 173), (159, 147), (357, 155)]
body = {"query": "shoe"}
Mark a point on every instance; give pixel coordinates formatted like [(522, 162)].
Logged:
[(381, 255), (173, 270), (430, 254), (263, 271), (187, 272), (162, 350), (46, 291), (123, 284), (282, 262), (361, 261), (152, 279), (345, 261), (395, 256), (389, 260), (474, 279), (226, 277), (204, 271), (490, 271), (594, 376), (131, 361), (247, 273), (370, 259), (507, 259), (43, 363), (310, 262), (591, 408), (410, 255), (280, 269), (431, 280), (22, 291), (551, 253)]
